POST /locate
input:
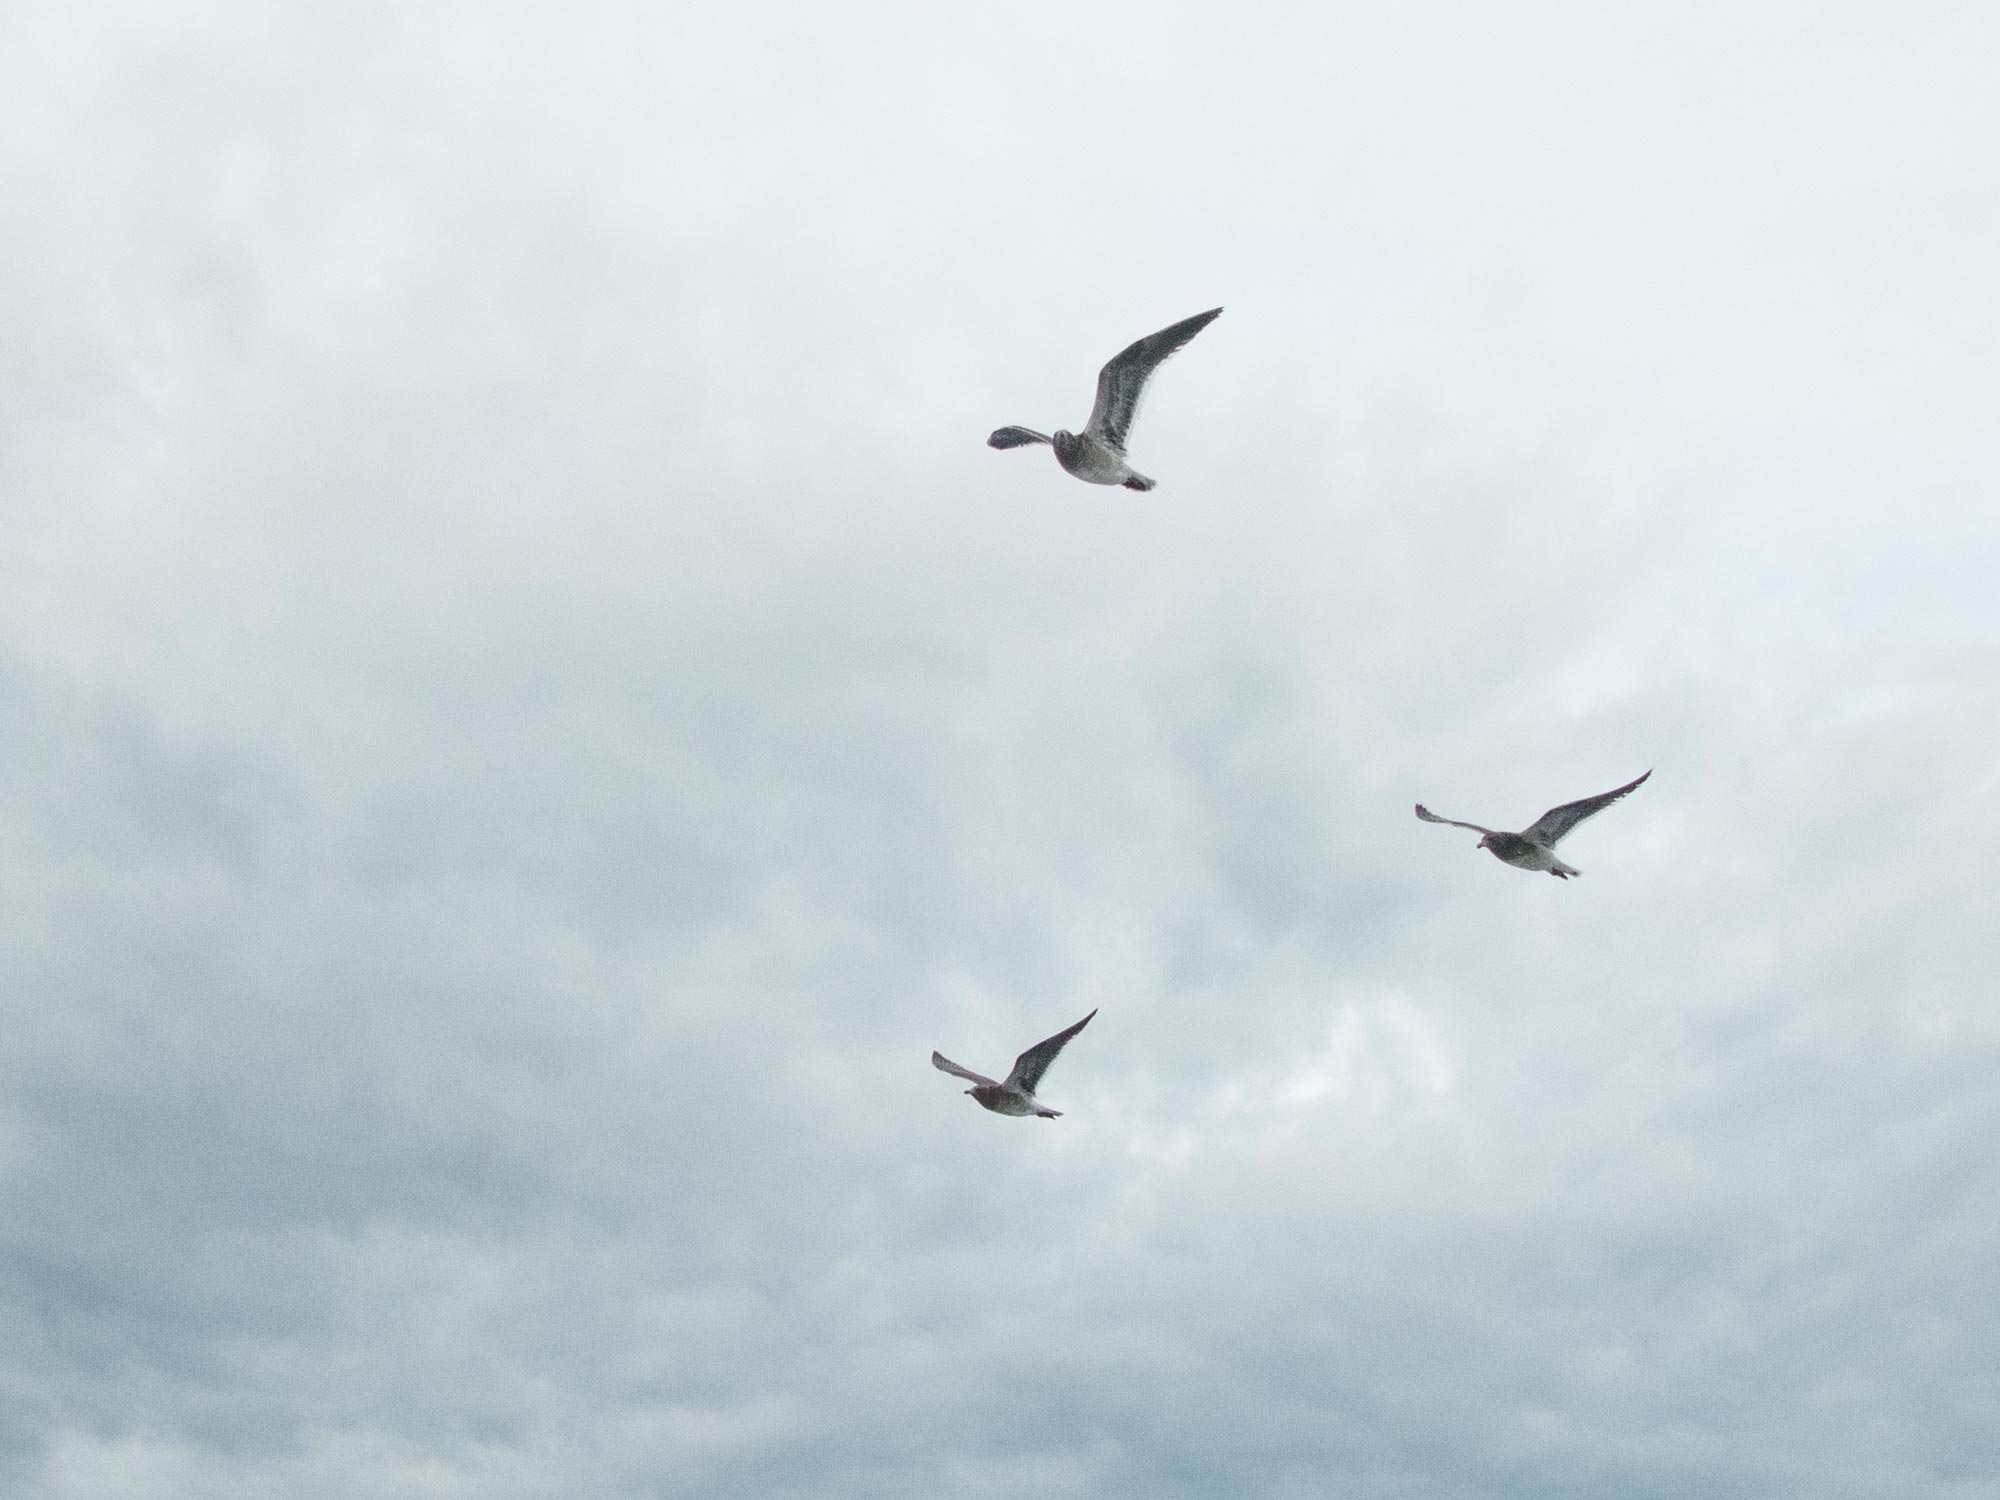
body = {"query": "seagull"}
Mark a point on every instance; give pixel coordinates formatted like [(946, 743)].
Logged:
[(1534, 848), (1097, 454), (1017, 1095)]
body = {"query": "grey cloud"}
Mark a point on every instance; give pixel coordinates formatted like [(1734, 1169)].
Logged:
[(526, 713)]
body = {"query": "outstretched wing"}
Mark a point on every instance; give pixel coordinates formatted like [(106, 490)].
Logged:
[(945, 1065), (1557, 821), (1122, 382), (1015, 437), (1430, 817), (1032, 1064)]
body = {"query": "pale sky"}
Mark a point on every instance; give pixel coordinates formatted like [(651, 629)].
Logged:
[(527, 710)]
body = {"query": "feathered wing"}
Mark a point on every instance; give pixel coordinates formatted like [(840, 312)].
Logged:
[(1015, 437), (1032, 1064), (1557, 821), (1430, 817), (945, 1065), (1122, 381)]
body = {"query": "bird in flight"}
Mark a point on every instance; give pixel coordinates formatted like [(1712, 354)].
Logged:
[(1534, 847), (1017, 1095), (1097, 454)]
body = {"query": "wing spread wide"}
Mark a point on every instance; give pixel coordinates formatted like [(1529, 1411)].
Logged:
[(1015, 437), (1430, 817), (1123, 379), (1550, 827), (945, 1065), (1032, 1064)]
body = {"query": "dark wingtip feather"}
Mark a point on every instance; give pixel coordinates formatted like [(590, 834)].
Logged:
[(1187, 328), (1198, 322), (1014, 437)]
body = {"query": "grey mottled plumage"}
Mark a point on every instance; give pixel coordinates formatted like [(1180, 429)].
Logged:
[(1097, 454), (1533, 848), (1016, 1096)]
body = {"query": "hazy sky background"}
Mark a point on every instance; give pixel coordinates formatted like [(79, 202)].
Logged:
[(527, 710)]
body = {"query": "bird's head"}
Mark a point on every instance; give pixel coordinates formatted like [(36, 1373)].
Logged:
[(1487, 840)]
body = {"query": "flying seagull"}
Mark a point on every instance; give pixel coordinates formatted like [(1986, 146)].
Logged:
[(1017, 1095), (1097, 454), (1534, 848)]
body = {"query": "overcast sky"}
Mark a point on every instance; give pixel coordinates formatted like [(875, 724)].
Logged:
[(527, 710)]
